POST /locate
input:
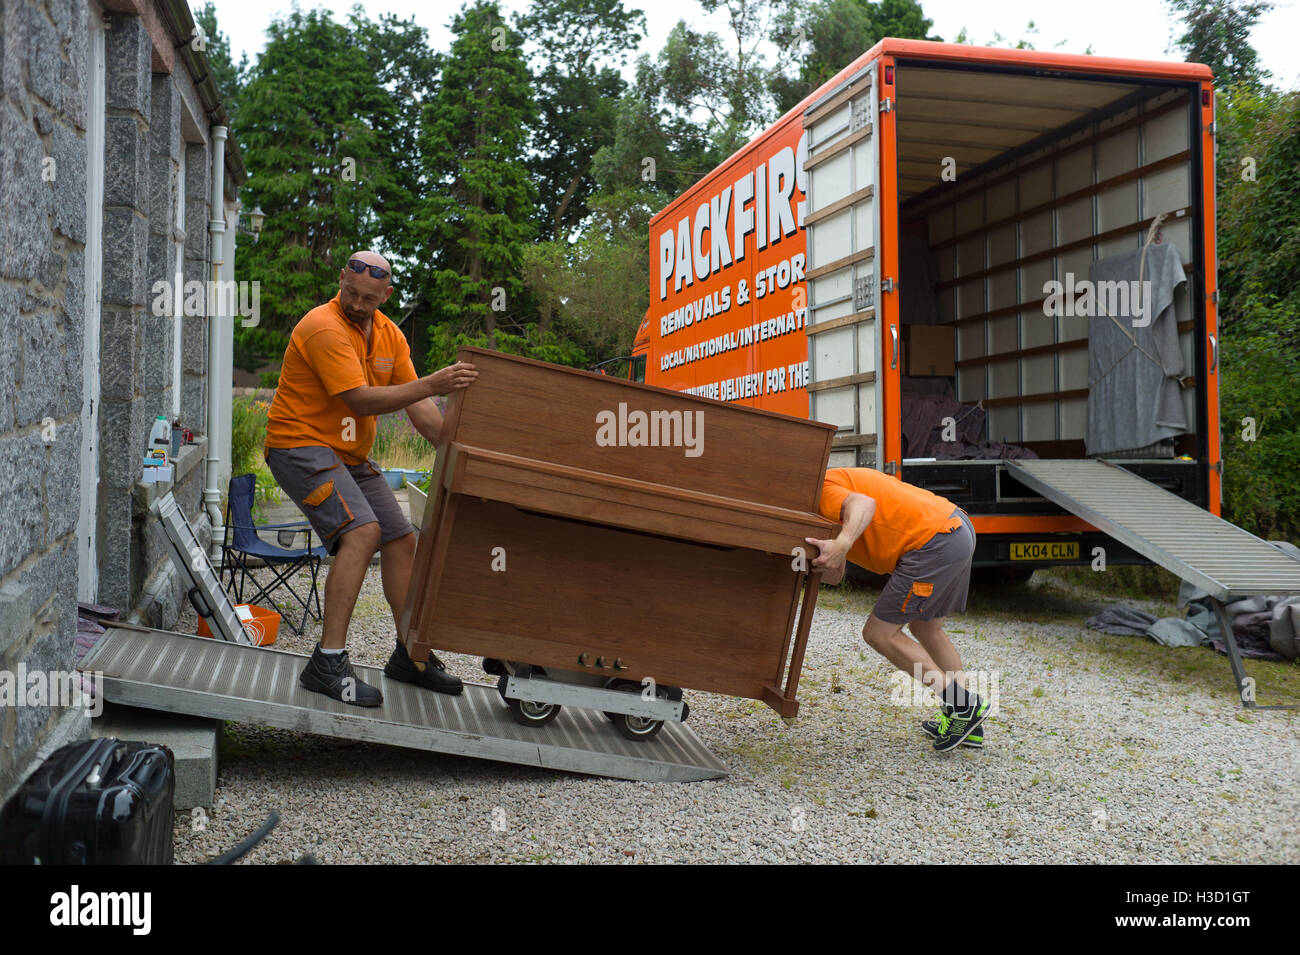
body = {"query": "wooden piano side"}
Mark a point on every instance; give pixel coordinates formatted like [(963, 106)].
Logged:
[(478, 623), (547, 413)]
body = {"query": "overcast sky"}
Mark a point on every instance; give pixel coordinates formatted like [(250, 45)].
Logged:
[(1140, 29)]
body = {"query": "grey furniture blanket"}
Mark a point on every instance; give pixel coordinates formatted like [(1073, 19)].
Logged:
[(1134, 361), (1265, 627)]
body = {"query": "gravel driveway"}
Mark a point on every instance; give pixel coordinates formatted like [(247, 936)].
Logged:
[(1105, 749)]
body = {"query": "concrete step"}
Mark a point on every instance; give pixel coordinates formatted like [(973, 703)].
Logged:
[(192, 740)]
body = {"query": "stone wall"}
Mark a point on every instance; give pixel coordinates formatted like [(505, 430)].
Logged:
[(153, 127), (43, 63), (144, 150)]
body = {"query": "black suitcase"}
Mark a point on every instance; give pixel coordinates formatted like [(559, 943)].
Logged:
[(96, 802)]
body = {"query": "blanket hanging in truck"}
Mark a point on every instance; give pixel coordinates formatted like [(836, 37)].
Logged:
[(1134, 360)]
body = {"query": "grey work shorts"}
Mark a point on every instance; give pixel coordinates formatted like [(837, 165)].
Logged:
[(337, 497), (931, 581)]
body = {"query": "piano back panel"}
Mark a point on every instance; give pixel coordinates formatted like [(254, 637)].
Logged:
[(535, 410), (685, 614)]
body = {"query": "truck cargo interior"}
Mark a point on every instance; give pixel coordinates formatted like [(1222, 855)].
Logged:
[(1009, 180)]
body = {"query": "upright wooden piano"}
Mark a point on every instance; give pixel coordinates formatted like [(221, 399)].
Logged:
[(590, 525)]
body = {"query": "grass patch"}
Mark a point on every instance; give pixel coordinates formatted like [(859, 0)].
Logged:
[(1275, 682), (1133, 582), (399, 445)]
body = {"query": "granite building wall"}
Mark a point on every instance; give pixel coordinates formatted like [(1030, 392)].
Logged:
[(155, 125)]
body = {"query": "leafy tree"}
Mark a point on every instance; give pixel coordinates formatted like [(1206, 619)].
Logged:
[(477, 213), (654, 153), (313, 122), (404, 65), (544, 346), (1259, 308), (1217, 33), (725, 81), (577, 45), (835, 33), (226, 74), (595, 291)]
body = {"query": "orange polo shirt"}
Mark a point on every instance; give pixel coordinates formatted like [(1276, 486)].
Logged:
[(906, 516), (328, 354)]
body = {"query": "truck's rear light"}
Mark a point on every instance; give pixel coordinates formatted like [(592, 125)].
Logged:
[(1205, 97), (889, 75)]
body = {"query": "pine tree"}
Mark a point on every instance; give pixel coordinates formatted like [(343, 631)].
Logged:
[(578, 44), (313, 121), (477, 214)]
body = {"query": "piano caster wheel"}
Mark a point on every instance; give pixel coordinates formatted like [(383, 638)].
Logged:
[(637, 727), (528, 712), (632, 727)]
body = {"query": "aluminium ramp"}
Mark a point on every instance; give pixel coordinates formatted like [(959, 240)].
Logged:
[(1220, 558), (178, 673), (201, 583)]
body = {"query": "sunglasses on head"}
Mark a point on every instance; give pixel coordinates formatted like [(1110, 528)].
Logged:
[(356, 265)]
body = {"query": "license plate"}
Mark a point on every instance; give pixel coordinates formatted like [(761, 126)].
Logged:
[(1045, 550)]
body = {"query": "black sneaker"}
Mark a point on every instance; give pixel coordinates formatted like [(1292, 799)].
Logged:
[(332, 674), (931, 728), (433, 676), (958, 727)]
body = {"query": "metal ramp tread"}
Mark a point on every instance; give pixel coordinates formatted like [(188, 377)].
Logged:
[(1187, 540), (179, 673)]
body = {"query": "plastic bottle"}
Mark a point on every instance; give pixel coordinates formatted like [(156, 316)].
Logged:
[(160, 438)]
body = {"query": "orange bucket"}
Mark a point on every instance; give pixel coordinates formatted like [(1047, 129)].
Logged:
[(263, 628)]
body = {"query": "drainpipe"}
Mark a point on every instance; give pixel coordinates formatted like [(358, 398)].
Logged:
[(216, 232)]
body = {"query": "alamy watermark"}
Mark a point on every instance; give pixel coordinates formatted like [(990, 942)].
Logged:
[(211, 298), (1086, 299), (653, 429), (909, 689), (62, 688)]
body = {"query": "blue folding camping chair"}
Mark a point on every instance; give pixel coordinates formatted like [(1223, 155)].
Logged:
[(242, 544)]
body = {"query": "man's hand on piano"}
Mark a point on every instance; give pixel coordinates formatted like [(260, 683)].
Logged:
[(452, 378), (830, 559)]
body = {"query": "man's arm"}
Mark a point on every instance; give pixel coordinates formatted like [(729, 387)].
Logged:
[(855, 517), (426, 419), (381, 399)]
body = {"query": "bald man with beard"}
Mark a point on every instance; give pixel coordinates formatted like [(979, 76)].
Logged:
[(345, 364)]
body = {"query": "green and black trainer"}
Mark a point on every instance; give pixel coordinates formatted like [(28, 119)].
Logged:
[(958, 726), (931, 729)]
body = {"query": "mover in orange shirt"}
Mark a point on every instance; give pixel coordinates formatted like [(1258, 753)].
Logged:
[(346, 362), (924, 542)]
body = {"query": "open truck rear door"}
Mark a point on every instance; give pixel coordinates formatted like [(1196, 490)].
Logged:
[(845, 359)]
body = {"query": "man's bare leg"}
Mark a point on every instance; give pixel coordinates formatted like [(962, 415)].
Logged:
[(907, 654), (396, 558), (343, 583), (930, 634)]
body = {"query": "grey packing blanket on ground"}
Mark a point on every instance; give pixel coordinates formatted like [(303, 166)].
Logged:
[(1125, 621), (1265, 627), (1133, 393)]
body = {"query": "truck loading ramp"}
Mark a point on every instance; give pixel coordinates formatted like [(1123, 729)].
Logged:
[(1207, 551), (178, 673)]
